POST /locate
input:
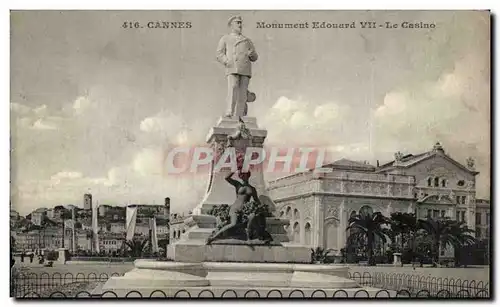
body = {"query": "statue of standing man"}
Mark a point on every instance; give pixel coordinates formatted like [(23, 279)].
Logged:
[(237, 52)]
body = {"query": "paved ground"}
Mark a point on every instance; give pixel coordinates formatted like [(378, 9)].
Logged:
[(478, 273)]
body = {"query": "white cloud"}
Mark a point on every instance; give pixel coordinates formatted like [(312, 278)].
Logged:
[(82, 104), (19, 108), (296, 122), (453, 110), (38, 118), (43, 124), (63, 176), (41, 110), (165, 122), (148, 162)]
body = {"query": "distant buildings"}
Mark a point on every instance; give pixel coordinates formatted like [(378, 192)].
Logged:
[(87, 201), (38, 216), (177, 227), (483, 219)]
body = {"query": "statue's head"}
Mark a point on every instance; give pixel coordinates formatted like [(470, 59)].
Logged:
[(244, 175), (236, 24)]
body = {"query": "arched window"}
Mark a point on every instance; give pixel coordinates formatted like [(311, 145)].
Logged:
[(296, 232), (429, 181), (443, 183), (436, 181), (288, 212), (366, 210), (308, 234), (296, 214)]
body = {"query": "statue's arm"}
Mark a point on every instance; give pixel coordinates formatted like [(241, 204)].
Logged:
[(253, 56), (221, 52), (233, 182)]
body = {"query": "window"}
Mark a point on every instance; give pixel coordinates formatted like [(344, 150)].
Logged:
[(463, 216), (487, 218), (478, 218), (429, 212), (478, 232), (436, 182), (461, 183), (443, 183), (435, 214), (463, 199), (429, 182), (458, 199), (442, 252), (415, 195), (443, 213)]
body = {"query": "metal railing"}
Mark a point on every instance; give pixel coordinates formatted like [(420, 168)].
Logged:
[(389, 285), (413, 284)]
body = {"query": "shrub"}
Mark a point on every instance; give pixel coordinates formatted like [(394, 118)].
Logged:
[(320, 255)]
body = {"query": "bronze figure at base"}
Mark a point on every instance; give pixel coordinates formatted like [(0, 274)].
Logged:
[(246, 217)]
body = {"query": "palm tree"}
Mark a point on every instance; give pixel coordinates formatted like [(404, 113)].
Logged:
[(462, 239), (444, 233), (136, 246), (369, 226)]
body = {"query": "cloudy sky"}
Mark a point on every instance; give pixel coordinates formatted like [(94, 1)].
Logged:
[(94, 106)]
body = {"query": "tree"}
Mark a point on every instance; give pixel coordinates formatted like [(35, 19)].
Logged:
[(404, 225), (369, 226), (461, 240), (320, 255), (445, 233), (136, 246)]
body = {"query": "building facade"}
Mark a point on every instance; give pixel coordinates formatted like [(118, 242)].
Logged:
[(318, 205), (177, 227)]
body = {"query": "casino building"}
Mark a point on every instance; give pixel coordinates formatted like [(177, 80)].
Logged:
[(319, 205)]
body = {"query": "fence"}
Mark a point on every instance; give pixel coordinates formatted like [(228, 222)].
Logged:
[(392, 285), (414, 284), (42, 283)]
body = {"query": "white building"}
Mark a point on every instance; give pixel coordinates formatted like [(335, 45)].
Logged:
[(319, 205)]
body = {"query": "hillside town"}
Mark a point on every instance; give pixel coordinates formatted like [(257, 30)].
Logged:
[(71, 227)]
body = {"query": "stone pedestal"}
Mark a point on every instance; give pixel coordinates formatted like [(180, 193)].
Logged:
[(63, 255), (217, 278), (192, 245), (196, 252), (397, 259), (219, 192)]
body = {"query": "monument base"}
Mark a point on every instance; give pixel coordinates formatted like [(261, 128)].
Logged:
[(225, 279), (197, 251)]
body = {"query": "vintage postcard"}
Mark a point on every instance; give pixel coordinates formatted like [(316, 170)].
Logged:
[(250, 154)]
